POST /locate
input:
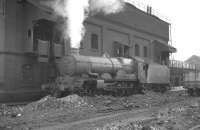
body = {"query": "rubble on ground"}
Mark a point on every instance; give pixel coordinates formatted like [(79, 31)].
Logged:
[(148, 100), (139, 125), (50, 110), (6, 110), (170, 118), (48, 102)]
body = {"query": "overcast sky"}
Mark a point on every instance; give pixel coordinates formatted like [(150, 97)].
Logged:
[(185, 20)]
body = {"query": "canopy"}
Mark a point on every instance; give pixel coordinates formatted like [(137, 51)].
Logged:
[(170, 48)]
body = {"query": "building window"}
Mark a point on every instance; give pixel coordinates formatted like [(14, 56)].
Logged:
[(117, 49), (29, 34), (94, 41), (57, 36), (137, 50), (126, 51), (81, 45), (2, 7), (120, 50), (145, 51)]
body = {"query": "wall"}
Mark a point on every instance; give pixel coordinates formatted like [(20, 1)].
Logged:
[(86, 49), (17, 24), (32, 14), (115, 36), (133, 18), (142, 42), (13, 47), (2, 41), (111, 32)]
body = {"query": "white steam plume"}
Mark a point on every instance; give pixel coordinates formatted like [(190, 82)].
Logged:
[(106, 6), (75, 12)]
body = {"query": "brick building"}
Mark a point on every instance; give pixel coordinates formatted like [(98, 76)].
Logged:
[(26, 29)]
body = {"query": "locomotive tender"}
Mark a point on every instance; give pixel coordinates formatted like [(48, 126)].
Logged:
[(113, 75)]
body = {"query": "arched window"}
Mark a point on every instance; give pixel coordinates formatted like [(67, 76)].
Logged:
[(145, 51), (117, 49), (29, 34), (2, 7), (94, 41), (137, 50)]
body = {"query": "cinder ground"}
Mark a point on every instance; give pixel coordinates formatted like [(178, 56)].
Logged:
[(151, 111)]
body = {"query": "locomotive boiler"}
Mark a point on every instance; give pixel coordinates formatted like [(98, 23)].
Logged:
[(116, 76), (77, 64)]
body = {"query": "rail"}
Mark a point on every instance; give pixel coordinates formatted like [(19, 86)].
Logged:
[(195, 127)]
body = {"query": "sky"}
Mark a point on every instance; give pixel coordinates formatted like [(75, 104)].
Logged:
[(185, 21)]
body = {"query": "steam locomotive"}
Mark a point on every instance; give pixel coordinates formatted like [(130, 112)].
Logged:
[(108, 75)]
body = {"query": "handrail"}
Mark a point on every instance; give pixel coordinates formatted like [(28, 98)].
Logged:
[(183, 65)]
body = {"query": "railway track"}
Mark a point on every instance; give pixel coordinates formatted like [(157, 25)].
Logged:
[(197, 127), (108, 118), (116, 117)]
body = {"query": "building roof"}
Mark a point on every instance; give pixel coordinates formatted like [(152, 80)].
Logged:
[(193, 60), (134, 18)]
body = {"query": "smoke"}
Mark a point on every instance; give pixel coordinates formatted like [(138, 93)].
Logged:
[(76, 11), (106, 6)]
